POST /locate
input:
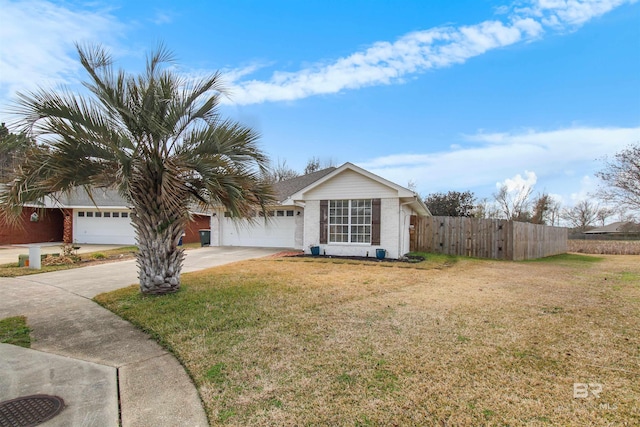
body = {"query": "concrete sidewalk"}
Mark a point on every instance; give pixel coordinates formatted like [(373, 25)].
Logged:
[(90, 357)]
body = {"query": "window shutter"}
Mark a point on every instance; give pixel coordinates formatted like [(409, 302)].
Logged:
[(324, 220), (375, 222)]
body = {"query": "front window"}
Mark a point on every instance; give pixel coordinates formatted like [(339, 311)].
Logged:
[(350, 221)]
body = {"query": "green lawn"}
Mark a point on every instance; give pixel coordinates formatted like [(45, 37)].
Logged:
[(14, 330)]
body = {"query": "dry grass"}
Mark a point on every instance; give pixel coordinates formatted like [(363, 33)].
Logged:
[(605, 247), (316, 342)]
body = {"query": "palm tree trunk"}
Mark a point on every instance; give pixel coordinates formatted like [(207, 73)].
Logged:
[(159, 224), (159, 256)]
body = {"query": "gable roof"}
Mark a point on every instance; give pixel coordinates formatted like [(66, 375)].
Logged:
[(96, 197), (615, 227), (288, 187), (312, 181)]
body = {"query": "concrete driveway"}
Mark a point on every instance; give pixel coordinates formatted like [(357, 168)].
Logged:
[(92, 358)]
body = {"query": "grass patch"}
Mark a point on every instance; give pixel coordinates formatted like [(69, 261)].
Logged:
[(567, 259), (629, 276), (435, 260), (294, 341), (216, 373), (14, 330), (13, 270)]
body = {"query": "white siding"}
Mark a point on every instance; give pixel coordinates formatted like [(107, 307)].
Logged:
[(215, 228), (350, 185)]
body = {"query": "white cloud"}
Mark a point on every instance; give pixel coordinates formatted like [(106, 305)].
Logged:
[(385, 62), (37, 47), (487, 158), (517, 183), (162, 17), (38, 38), (588, 186), (565, 14)]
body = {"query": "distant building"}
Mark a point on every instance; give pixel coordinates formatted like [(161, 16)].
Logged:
[(620, 227)]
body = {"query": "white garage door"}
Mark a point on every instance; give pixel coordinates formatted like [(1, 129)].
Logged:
[(278, 232), (103, 227)]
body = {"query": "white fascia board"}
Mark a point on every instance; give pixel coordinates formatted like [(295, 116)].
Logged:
[(417, 205)]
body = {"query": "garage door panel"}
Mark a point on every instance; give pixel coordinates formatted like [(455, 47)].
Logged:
[(278, 232), (92, 230)]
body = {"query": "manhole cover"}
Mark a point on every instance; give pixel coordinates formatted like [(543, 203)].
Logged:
[(28, 411)]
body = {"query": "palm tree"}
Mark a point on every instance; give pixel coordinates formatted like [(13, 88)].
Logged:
[(157, 137)]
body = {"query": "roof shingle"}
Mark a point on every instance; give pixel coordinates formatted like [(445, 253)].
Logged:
[(286, 188)]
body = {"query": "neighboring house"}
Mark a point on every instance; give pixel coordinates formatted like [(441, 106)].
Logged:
[(346, 211), (615, 228), (99, 218)]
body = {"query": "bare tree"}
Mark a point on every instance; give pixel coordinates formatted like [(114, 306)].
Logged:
[(13, 149), (623, 215), (603, 214), (581, 216), (621, 177), (486, 209), (279, 172), (314, 164), (514, 204), (554, 211)]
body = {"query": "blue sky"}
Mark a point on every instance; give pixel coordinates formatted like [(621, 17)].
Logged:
[(450, 95)]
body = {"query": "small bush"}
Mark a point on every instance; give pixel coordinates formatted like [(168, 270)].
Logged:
[(98, 255), (59, 260)]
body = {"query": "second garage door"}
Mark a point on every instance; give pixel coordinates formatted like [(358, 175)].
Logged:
[(277, 232)]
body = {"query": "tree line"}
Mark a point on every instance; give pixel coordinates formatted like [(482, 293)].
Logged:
[(618, 197)]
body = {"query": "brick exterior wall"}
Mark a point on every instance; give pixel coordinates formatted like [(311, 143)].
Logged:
[(200, 222), (67, 226), (48, 228)]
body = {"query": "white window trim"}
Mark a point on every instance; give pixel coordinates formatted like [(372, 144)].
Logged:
[(350, 224)]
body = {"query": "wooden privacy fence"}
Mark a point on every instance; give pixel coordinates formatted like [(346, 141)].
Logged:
[(486, 238)]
